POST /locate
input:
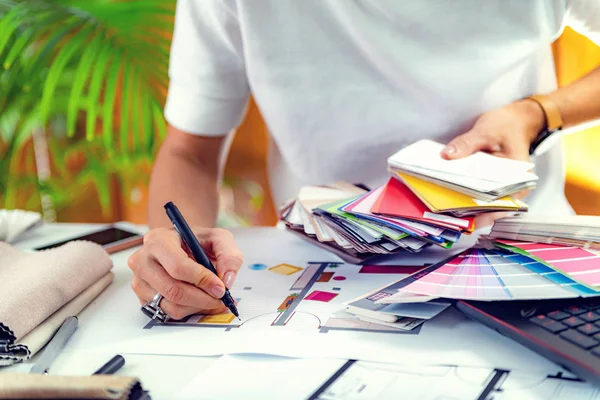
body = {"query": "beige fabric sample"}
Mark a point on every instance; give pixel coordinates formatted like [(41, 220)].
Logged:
[(27, 386), (34, 285), (40, 335)]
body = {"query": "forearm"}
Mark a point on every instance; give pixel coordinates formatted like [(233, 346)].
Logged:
[(578, 102), (189, 181)]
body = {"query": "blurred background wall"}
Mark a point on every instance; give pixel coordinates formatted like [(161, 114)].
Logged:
[(574, 56), (82, 86)]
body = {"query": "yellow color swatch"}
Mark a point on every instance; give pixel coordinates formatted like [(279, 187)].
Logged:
[(217, 318), (438, 198), (285, 269)]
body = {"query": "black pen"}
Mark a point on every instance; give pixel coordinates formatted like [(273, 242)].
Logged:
[(112, 366), (191, 242)]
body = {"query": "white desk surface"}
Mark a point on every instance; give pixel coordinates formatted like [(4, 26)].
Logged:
[(165, 376)]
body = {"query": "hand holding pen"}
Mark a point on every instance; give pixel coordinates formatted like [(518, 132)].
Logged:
[(193, 246), (162, 266)]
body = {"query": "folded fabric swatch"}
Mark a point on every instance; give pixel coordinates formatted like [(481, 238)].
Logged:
[(35, 285), (27, 386), (30, 344)]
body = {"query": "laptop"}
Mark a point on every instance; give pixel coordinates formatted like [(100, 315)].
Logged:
[(565, 331)]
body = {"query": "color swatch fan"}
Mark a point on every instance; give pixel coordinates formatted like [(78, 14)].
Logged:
[(14, 223), (510, 270)]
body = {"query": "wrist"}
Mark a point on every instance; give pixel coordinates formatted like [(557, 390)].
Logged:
[(535, 118)]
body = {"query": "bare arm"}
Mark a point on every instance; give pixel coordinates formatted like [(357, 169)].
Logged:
[(186, 172), (509, 131), (578, 102)]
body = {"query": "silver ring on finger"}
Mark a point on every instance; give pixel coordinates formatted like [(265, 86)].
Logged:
[(152, 309)]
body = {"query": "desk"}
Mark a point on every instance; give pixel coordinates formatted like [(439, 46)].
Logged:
[(165, 375)]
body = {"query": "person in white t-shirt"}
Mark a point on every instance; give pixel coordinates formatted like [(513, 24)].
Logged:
[(343, 84)]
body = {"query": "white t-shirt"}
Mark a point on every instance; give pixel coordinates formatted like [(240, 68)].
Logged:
[(343, 84)]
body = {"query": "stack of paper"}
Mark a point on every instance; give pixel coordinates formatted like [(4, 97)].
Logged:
[(405, 316), (480, 176), (358, 224), (570, 230), (505, 270)]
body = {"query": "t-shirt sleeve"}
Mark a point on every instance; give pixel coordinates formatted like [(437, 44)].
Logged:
[(208, 89), (584, 17)]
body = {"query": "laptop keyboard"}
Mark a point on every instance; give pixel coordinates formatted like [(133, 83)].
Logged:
[(578, 324)]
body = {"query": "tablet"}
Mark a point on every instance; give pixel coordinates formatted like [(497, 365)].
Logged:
[(112, 239)]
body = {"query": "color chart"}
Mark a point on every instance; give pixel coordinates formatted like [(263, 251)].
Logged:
[(511, 271)]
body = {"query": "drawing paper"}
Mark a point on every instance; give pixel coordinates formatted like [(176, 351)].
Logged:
[(260, 377), (122, 332), (362, 380)]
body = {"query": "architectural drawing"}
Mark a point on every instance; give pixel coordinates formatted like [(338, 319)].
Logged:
[(309, 297), (361, 380)]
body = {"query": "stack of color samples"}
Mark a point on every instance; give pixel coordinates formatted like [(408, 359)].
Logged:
[(569, 230), (412, 210), (508, 270), (358, 224)]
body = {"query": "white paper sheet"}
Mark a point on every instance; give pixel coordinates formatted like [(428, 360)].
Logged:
[(260, 377), (479, 169), (269, 377), (366, 381)]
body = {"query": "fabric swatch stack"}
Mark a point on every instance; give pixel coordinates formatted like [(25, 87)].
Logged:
[(426, 201), (41, 289)]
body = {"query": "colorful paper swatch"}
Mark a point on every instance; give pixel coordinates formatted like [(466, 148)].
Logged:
[(441, 199), (217, 319), (285, 269), (325, 277), (397, 200), (580, 264), (529, 271), (318, 295)]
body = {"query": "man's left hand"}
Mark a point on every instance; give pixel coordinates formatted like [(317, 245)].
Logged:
[(506, 132)]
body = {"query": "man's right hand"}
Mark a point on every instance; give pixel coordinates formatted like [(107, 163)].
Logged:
[(162, 266)]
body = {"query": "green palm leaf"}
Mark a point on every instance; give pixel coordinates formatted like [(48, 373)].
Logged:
[(109, 98), (98, 76), (84, 62), (102, 43), (82, 75)]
